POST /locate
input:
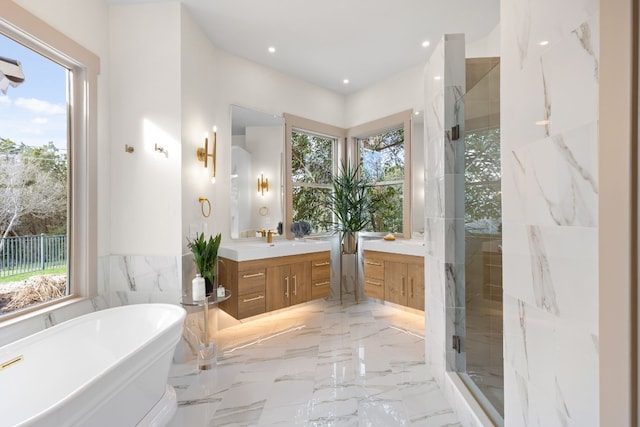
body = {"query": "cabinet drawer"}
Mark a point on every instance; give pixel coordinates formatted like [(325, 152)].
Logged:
[(373, 267), (251, 281), (320, 268), (320, 288), (251, 304), (374, 287)]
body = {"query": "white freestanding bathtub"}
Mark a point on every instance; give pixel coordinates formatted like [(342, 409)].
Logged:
[(107, 368)]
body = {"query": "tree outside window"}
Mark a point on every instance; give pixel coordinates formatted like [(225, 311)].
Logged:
[(312, 168), (382, 159)]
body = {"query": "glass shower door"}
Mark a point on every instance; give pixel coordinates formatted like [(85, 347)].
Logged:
[(483, 236)]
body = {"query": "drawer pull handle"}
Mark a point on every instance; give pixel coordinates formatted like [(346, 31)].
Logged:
[(370, 282), (322, 284), (249, 276), (295, 285), (253, 299), (286, 292), (320, 264), (377, 264)]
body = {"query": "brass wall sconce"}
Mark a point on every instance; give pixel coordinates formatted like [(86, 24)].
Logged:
[(203, 154), (263, 184)]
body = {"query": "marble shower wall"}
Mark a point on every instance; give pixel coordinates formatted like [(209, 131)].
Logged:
[(550, 215), (444, 165)]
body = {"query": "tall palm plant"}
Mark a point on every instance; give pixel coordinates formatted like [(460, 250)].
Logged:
[(350, 204)]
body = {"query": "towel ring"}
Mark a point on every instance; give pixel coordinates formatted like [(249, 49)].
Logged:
[(202, 201), (263, 211)]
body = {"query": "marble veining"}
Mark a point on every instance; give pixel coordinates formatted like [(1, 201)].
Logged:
[(336, 365), (584, 36), (543, 286)]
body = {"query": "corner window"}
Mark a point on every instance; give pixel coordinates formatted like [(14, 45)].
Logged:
[(381, 148), (382, 160), (47, 144)]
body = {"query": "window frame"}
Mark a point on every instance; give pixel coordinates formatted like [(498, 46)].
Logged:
[(300, 124), (394, 121), (84, 66)]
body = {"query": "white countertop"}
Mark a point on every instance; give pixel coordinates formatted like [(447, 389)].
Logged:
[(251, 249), (413, 247)]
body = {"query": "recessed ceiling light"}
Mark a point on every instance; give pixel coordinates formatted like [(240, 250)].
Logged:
[(426, 43), (437, 78), (345, 81), (272, 49), (417, 113), (542, 122), (544, 42)]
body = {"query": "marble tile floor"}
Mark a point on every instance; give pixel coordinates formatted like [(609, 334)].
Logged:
[(320, 364)]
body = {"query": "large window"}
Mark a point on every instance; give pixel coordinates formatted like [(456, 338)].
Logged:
[(382, 160), (381, 148), (311, 171), (47, 150)]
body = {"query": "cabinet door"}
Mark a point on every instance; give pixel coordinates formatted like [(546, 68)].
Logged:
[(277, 287), (373, 276), (415, 298), (395, 282), (321, 277), (299, 282)]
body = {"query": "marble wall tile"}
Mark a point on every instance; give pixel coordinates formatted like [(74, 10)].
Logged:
[(145, 279), (550, 211)]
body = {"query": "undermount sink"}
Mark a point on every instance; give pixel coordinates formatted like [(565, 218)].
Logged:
[(258, 249)]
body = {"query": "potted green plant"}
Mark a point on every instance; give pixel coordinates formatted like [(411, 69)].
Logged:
[(205, 255), (350, 203)]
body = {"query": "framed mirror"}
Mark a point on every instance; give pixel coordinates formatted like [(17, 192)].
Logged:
[(257, 201)]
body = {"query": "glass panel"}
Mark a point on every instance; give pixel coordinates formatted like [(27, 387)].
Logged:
[(312, 158), (484, 371), (308, 206), (382, 163), (33, 178)]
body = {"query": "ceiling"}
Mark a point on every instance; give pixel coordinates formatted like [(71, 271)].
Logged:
[(326, 41)]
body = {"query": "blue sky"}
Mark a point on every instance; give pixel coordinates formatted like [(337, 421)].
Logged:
[(35, 111)]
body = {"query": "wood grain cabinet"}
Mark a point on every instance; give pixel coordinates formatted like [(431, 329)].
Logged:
[(321, 276), (264, 285), (395, 278)]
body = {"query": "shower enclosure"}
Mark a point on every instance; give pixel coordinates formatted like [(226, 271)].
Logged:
[(481, 368)]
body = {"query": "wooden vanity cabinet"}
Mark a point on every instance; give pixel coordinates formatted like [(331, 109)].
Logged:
[(395, 278), (264, 285), (247, 282)]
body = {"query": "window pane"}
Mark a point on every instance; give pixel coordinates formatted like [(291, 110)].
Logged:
[(382, 156), (33, 180), (386, 208), (308, 206), (382, 163), (312, 158)]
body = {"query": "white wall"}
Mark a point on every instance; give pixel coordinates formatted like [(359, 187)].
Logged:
[(145, 109)]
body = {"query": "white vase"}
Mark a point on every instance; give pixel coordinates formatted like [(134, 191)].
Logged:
[(197, 288)]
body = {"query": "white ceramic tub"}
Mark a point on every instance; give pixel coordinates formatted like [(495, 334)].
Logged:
[(107, 368)]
